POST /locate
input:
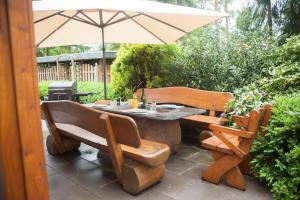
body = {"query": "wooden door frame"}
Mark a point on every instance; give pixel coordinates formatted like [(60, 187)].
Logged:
[(21, 140)]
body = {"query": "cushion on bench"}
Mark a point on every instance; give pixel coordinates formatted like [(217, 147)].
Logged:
[(214, 143), (149, 153)]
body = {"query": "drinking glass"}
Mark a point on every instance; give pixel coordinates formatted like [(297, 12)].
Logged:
[(153, 105)]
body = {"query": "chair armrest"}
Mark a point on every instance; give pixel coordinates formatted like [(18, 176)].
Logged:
[(240, 121), (232, 131), (238, 151)]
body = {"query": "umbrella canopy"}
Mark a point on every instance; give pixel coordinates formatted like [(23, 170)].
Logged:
[(74, 22), (69, 22)]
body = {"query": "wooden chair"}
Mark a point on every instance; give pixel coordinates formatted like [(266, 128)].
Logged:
[(230, 147), (263, 124), (70, 124), (208, 100)]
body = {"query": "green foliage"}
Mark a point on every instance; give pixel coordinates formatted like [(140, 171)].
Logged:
[(141, 66), (210, 62), (277, 154), (245, 99), (286, 14), (43, 89), (285, 75), (281, 76), (278, 16), (94, 87)]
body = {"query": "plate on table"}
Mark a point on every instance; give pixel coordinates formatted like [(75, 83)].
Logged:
[(99, 105), (170, 106), (136, 111)]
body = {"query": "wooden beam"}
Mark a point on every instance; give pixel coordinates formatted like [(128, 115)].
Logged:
[(21, 143)]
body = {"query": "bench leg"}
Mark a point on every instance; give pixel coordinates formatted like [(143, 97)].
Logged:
[(69, 145), (234, 178), (223, 164), (137, 177)]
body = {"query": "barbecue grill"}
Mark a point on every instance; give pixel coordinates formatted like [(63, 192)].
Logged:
[(62, 91)]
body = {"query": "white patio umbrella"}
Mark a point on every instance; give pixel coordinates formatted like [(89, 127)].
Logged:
[(74, 22)]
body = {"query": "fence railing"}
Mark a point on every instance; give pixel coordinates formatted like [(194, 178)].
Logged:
[(83, 72)]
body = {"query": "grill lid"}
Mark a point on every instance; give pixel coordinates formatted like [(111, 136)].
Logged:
[(67, 85)]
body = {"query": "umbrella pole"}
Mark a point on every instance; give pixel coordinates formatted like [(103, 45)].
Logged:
[(104, 64), (103, 54)]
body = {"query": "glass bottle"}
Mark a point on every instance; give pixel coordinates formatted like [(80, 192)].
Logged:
[(143, 99)]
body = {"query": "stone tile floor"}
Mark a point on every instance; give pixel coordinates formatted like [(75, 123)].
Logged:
[(80, 175)]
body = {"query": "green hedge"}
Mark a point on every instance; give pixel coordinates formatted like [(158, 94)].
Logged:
[(276, 156), (94, 87)]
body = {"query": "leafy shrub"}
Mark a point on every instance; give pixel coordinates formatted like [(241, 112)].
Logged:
[(211, 62), (277, 155), (285, 75), (141, 66), (283, 78), (43, 89), (245, 99), (94, 87)]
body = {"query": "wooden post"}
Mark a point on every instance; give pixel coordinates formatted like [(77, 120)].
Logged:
[(73, 69), (21, 144), (57, 68), (100, 72), (96, 70)]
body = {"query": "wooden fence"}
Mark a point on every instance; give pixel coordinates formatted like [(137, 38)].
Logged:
[(83, 71)]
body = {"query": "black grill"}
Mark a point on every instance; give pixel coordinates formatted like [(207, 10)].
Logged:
[(62, 91)]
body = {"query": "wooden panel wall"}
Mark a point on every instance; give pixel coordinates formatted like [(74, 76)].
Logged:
[(21, 145)]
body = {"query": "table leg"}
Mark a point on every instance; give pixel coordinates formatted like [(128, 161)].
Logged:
[(163, 131)]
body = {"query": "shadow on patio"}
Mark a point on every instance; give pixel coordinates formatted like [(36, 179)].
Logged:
[(80, 175)]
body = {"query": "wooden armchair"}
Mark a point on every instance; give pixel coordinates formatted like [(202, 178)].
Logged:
[(230, 147)]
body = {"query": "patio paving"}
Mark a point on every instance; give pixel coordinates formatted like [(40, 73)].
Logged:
[(81, 175)]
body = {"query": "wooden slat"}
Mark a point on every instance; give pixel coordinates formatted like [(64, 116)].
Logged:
[(208, 100), (149, 153), (21, 143), (125, 129)]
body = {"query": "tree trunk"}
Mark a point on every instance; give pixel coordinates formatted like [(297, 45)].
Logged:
[(270, 18)]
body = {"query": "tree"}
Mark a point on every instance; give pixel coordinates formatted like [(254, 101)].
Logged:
[(263, 10), (277, 17), (287, 16), (142, 65)]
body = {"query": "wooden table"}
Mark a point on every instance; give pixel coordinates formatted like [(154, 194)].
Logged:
[(161, 125)]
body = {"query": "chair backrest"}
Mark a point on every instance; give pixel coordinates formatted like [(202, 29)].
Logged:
[(266, 119), (256, 119), (208, 100), (68, 112)]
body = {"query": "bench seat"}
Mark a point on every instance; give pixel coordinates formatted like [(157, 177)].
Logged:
[(206, 119), (149, 153)]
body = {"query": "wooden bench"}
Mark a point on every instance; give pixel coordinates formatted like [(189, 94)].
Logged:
[(211, 101), (230, 147), (138, 163)]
